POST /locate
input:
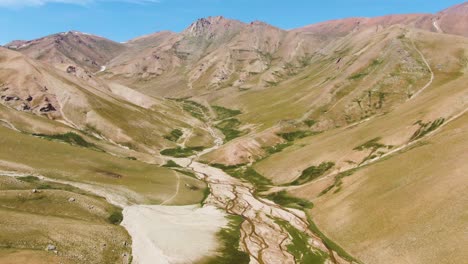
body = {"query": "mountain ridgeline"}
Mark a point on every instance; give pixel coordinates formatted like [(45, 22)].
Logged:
[(355, 128)]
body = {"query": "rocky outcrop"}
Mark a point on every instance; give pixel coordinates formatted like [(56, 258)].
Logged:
[(42, 103), (71, 69)]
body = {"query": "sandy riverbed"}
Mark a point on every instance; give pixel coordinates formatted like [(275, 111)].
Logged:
[(172, 234)]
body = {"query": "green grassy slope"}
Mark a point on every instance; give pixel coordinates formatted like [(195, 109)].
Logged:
[(408, 208), (33, 220), (140, 182), (440, 100)]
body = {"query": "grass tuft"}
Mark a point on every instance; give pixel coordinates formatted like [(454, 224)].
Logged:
[(310, 122), (241, 171), (229, 128), (284, 199), (180, 152), (197, 110), (223, 113), (115, 217), (187, 172), (230, 238), (329, 243), (171, 164), (291, 136), (426, 128), (174, 135), (206, 193), (70, 138), (371, 144), (278, 148), (313, 172), (357, 76), (29, 179), (338, 181), (300, 248)]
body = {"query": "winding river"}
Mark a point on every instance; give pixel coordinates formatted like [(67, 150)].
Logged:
[(262, 237)]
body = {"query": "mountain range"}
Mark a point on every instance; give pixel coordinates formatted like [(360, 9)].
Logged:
[(365, 118)]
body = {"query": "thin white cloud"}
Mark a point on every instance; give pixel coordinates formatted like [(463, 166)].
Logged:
[(23, 3)]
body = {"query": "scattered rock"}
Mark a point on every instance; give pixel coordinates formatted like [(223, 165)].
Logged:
[(191, 187), (11, 98), (51, 247), (48, 108), (71, 69), (26, 107)]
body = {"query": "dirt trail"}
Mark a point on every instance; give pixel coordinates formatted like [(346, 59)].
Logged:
[(187, 133), (167, 234), (262, 236), (112, 196), (428, 67), (9, 125), (371, 161), (176, 191), (409, 144)]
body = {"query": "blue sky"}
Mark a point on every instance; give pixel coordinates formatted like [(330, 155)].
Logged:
[(121, 20)]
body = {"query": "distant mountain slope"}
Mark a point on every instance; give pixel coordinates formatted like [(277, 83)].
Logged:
[(211, 53), (105, 110), (335, 72), (215, 52), (70, 48), (342, 27), (453, 20)]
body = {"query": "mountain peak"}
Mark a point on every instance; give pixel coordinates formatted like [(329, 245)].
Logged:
[(15, 44), (212, 25), (259, 23), (76, 34), (459, 9)]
